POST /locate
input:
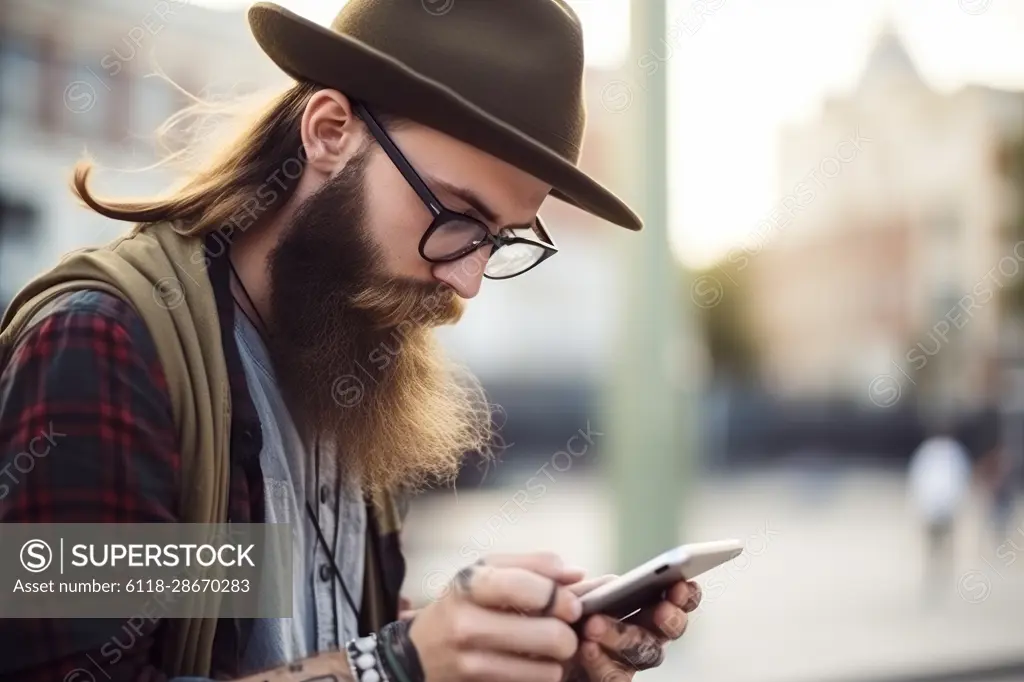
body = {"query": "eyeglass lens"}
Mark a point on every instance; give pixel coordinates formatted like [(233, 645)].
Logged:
[(512, 259), (454, 238)]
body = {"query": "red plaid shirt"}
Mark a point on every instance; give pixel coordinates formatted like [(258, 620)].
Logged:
[(87, 435)]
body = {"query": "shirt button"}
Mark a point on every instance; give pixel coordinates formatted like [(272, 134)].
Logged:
[(325, 572), (325, 494)]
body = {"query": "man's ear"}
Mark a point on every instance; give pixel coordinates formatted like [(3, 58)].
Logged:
[(331, 132)]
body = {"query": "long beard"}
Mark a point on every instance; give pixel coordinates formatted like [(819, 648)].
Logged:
[(355, 352)]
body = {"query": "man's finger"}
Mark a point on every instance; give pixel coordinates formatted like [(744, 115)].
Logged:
[(685, 594), (545, 638), (547, 564), (517, 589), (630, 645)]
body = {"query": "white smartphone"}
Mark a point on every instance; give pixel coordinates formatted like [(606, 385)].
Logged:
[(645, 584)]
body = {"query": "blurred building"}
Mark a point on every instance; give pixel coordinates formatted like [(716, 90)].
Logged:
[(74, 82), (878, 274)]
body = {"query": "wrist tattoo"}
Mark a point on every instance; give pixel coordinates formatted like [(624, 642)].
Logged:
[(325, 667)]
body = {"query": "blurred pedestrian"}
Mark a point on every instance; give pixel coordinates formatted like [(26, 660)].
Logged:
[(938, 479)]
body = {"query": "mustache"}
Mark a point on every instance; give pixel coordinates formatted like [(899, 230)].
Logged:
[(393, 302)]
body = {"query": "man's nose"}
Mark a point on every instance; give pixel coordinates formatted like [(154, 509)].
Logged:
[(465, 274)]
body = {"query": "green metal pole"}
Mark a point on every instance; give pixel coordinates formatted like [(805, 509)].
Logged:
[(646, 415)]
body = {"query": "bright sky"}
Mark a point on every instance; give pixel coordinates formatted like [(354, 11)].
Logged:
[(756, 64)]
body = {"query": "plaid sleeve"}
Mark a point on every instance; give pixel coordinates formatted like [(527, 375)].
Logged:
[(87, 434)]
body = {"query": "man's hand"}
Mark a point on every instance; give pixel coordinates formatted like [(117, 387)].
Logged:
[(477, 631), (613, 651)]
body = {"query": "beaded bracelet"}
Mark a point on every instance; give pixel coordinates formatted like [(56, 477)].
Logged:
[(363, 660)]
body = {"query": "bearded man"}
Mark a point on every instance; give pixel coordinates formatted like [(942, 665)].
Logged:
[(258, 347)]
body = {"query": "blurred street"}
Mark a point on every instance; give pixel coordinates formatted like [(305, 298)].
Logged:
[(829, 586)]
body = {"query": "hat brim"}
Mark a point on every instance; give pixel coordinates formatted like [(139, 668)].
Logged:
[(306, 50)]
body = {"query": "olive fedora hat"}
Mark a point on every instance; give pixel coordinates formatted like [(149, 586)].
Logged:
[(505, 76)]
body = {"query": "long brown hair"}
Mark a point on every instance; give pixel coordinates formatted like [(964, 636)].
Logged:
[(255, 171)]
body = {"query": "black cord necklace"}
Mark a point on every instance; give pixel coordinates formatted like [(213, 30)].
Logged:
[(316, 448)]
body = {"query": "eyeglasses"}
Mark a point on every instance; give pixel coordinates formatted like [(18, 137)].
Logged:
[(453, 235)]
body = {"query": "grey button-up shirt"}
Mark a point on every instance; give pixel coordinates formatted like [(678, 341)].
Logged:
[(291, 478)]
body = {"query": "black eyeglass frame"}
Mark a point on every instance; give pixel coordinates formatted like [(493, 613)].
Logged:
[(441, 214)]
